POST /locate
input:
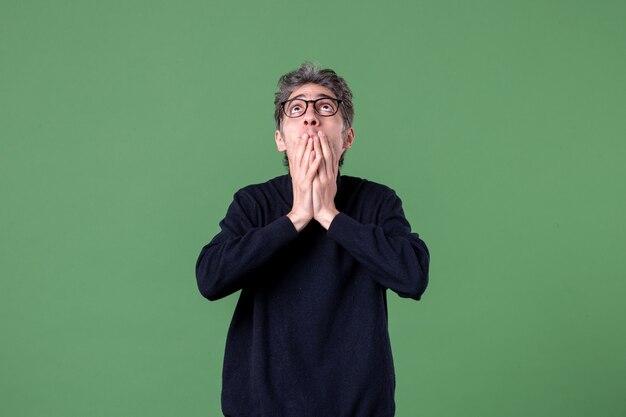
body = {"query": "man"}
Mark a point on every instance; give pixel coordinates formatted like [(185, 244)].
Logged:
[(313, 253)]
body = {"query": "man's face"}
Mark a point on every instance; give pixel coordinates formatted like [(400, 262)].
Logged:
[(310, 123)]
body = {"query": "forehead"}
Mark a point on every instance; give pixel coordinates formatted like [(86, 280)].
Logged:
[(311, 91)]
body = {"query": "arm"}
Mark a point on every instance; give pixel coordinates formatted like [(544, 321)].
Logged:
[(397, 258), (225, 264)]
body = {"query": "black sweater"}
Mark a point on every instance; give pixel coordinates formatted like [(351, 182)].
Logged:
[(309, 334)]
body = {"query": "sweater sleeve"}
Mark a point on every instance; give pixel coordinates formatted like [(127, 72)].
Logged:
[(225, 264), (396, 258)]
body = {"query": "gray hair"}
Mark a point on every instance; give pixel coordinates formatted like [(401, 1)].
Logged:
[(310, 74)]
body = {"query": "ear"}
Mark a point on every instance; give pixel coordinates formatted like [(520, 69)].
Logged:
[(280, 143), (349, 139)]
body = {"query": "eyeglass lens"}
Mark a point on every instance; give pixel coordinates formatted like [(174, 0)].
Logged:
[(323, 107)]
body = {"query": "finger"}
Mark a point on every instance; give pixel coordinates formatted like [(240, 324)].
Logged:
[(317, 147), (314, 167), (316, 157), (314, 147), (329, 156), (323, 162), (329, 151), (306, 158), (312, 155), (321, 171), (301, 148)]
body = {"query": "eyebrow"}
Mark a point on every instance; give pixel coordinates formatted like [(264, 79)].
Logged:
[(321, 95)]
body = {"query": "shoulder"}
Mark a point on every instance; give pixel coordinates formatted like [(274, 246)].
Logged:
[(267, 196), (277, 184), (366, 200), (365, 186)]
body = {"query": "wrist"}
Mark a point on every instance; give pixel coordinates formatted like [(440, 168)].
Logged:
[(326, 217), (299, 221)]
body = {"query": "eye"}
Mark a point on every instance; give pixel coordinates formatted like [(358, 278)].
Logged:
[(326, 106), (295, 108)]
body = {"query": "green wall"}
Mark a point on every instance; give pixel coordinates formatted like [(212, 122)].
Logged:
[(126, 127)]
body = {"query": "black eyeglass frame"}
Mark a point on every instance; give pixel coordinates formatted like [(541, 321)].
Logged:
[(306, 106)]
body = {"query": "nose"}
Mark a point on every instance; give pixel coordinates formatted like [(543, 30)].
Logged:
[(310, 117)]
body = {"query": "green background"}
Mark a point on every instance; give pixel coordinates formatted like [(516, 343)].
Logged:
[(126, 127)]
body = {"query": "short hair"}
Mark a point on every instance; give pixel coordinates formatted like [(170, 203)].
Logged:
[(308, 73)]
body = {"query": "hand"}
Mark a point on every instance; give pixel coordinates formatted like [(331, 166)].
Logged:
[(303, 166), (325, 182)]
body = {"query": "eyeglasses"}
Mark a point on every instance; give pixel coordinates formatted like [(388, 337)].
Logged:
[(325, 106)]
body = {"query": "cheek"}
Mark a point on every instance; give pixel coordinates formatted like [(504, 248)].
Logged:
[(291, 143), (340, 143)]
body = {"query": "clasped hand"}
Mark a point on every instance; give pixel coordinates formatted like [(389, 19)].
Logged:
[(313, 167)]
